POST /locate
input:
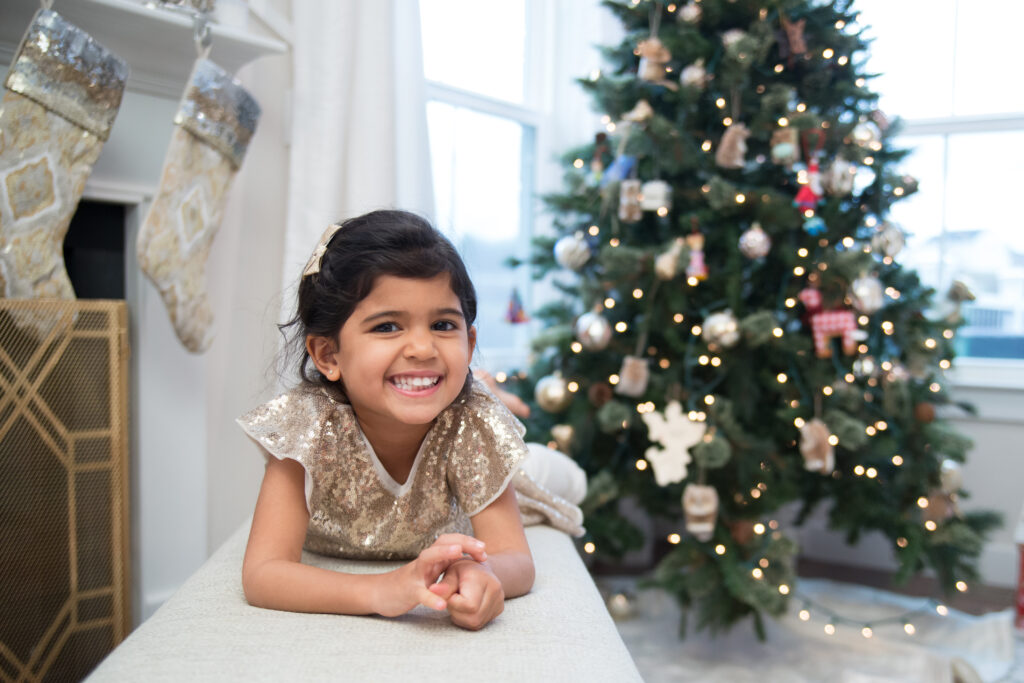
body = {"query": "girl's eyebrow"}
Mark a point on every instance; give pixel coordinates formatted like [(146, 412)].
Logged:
[(456, 312)]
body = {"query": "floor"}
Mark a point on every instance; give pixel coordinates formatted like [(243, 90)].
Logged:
[(648, 621)]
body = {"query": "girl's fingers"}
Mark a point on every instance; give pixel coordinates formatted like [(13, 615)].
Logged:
[(431, 600), (469, 545)]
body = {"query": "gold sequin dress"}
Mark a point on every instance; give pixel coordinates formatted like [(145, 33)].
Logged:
[(357, 510)]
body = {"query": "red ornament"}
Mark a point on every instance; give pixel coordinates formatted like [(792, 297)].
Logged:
[(810, 194), (825, 325)]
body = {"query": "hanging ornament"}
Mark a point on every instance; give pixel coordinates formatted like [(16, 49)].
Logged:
[(620, 169), (563, 435), (613, 417), (572, 251), (826, 325), (696, 268), (593, 331), (838, 178), (639, 113), (694, 75), (599, 394), (815, 225), (755, 242), (721, 328), (785, 148), (809, 194), (909, 184), (732, 37), (690, 13), (924, 412), (700, 505), (673, 435), (516, 314), (949, 308), (867, 294), (733, 147), (63, 92), (888, 240), (866, 135), (897, 373), (864, 366), (792, 43), (629, 201), (940, 507), (633, 377), (951, 476), (654, 56), (666, 264), (656, 195), (552, 393), (817, 451)]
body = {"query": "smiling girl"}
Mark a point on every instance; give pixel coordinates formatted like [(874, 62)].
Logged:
[(388, 449)]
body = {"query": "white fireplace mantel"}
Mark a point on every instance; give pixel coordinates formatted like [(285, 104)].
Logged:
[(156, 43)]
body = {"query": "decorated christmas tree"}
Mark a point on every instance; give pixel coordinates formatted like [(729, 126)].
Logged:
[(736, 334)]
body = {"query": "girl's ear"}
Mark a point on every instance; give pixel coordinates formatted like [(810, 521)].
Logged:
[(324, 354), (471, 334)]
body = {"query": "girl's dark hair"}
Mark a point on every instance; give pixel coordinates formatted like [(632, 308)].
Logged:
[(387, 242)]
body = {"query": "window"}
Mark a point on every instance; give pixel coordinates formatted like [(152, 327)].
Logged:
[(945, 73), (483, 115)]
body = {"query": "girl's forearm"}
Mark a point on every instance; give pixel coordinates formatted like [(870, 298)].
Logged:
[(515, 571), (295, 587)]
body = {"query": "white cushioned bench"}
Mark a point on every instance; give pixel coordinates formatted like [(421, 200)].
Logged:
[(206, 631)]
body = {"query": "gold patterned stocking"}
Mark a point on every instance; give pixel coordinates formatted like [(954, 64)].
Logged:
[(215, 121), (62, 93)]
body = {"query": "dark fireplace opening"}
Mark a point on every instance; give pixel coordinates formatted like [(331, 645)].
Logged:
[(94, 250)]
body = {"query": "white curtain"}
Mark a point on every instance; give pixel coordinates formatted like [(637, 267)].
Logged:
[(358, 129)]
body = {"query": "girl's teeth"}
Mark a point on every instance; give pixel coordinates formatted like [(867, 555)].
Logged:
[(411, 383)]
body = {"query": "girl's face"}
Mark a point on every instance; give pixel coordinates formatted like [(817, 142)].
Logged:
[(404, 353)]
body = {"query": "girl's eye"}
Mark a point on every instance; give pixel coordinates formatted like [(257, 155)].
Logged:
[(445, 326), (386, 327)]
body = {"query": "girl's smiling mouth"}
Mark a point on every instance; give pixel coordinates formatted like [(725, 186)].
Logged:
[(415, 385)]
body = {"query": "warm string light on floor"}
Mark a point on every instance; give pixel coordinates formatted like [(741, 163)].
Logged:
[(867, 627)]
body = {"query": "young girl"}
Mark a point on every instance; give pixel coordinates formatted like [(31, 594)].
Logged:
[(388, 449)]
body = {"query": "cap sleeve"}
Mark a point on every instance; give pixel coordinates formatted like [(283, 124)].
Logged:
[(295, 426), (486, 450)]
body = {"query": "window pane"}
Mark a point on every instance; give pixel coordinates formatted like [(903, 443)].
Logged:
[(908, 34), (476, 46), (985, 239), (987, 44), (478, 163), (920, 214)]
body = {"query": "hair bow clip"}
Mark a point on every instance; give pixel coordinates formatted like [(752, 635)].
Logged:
[(313, 265)]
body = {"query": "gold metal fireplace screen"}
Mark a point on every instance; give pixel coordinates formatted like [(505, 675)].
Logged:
[(64, 554)]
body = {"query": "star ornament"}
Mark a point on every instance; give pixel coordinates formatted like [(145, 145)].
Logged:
[(677, 434)]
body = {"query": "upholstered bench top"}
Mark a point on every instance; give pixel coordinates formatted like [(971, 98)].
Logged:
[(206, 631)]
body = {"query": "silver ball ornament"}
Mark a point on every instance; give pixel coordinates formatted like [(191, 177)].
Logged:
[(721, 328), (572, 251), (889, 240), (755, 242), (864, 366), (867, 294), (593, 331), (951, 476), (866, 134), (552, 393)]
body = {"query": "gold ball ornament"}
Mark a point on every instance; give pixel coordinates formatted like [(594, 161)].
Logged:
[(721, 328), (563, 435), (593, 331), (552, 393), (924, 412), (866, 134)]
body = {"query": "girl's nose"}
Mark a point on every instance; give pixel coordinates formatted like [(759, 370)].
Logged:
[(420, 344)]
